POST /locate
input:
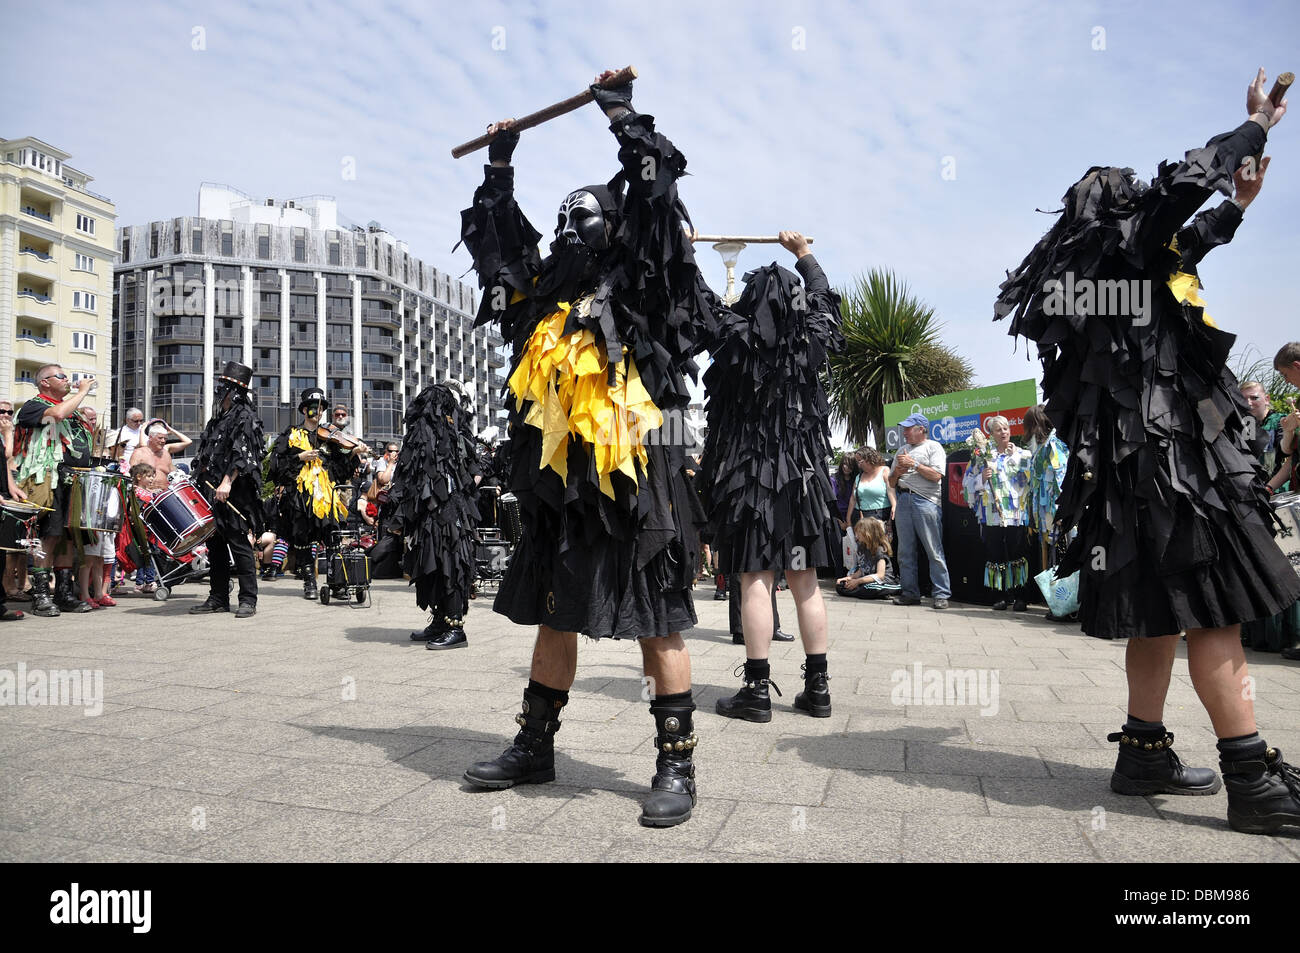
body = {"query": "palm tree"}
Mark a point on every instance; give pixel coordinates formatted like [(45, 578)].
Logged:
[(892, 352)]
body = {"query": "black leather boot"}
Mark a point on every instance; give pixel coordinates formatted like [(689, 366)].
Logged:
[(672, 790), (309, 587), (1148, 765), (452, 637), (42, 601), (530, 759), (815, 698), (752, 702), (435, 628), (1263, 793), (65, 592)]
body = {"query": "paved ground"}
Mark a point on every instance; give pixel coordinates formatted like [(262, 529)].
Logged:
[(321, 733)]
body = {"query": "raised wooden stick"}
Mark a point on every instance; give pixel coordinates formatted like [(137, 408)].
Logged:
[(747, 239), (1280, 86), (625, 75)]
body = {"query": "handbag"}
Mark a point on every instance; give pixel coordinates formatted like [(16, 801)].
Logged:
[(1061, 595)]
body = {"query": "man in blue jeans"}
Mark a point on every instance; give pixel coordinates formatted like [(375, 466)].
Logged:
[(918, 477)]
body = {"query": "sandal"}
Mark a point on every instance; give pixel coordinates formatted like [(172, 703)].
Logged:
[(18, 596), (105, 600), (12, 615)]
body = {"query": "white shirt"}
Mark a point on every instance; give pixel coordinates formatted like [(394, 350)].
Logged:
[(928, 453)]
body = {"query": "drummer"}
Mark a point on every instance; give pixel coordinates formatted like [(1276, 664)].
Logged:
[(160, 439), (98, 550), (50, 436)]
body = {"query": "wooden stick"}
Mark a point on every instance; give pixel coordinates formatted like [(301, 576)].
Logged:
[(1280, 86), (747, 239), (229, 504), (625, 75)]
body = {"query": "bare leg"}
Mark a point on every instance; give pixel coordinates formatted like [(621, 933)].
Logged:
[(83, 580), (1217, 664), (756, 613), (1148, 663), (555, 658), (812, 610), (668, 664)]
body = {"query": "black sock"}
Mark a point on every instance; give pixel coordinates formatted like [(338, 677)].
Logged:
[(815, 664), (553, 695), (1144, 729), (1243, 748), (679, 700), (756, 669)]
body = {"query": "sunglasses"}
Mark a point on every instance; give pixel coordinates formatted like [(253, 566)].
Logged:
[(54, 377), (341, 413), (6, 413)]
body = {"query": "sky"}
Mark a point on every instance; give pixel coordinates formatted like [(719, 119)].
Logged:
[(917, 137)]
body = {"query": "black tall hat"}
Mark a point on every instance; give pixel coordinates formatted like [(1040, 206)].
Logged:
[(236, 373), (310, 395)]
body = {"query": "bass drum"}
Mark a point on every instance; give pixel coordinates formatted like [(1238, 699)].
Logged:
[(1287, 508), (179, 518)]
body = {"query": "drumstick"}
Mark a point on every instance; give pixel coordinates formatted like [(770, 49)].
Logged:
[(229, 504)]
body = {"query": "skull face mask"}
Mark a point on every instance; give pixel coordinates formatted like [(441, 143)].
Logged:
[(581, 221)]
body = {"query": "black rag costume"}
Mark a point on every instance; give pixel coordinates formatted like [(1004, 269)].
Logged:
[(232, 443), (433, 498), (311, 510), (1175, 528), (602, 341), (764, 475)]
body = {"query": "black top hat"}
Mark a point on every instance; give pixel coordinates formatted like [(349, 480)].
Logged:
[(311, 395), (236, 373)]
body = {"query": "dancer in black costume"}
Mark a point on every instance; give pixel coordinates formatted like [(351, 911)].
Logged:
[(764, 476), (603, 333), (1174, 525), (434, 498), (309, 467), (227, 470)]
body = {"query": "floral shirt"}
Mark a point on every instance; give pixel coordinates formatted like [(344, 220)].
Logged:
[(1002, 501)]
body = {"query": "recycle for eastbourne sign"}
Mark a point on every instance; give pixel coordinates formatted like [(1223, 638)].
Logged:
[(954, 417)]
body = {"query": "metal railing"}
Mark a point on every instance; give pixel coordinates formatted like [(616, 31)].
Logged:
[(37, 254), (35, 214), (43, 299)]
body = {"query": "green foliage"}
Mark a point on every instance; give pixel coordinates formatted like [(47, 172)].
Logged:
[(892, 352)]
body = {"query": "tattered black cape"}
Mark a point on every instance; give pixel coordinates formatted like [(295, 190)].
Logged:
[(764, 480), (586, 563), (1175, 528), (433, 499), (232, 441)]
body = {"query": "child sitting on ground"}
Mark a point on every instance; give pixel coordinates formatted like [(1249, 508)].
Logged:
[(874, 574)]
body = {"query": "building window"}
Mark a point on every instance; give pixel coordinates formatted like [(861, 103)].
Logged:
[(87, 263), (153, 242), (227, 239), (126, 247), (196, 241), (299, 245), (83, 300), (334, 253), (85, 224), (176, 240), (81, 341), (361, 255)]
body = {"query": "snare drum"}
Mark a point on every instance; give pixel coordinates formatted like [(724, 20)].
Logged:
[(1287, 507), (101, 501), (179, 518), (18, 525)]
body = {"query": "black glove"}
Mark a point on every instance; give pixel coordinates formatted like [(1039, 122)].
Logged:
[(610, 97), (502, 147)]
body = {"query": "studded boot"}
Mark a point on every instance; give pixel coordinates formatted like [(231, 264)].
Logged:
[(1147, 765), (815, 698), (672, 790), (752, 702), (1263, 791), (42, 601), (530, 759)]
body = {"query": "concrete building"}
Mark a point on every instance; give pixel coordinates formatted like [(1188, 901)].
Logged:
[(56, 270), (305, 299)]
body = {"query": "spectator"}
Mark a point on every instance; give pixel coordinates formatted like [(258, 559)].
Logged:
[(156, 451), (129, 437), (996, 487), (15, 572), (874, 575), (1048, 459), (845, 476), (341, 421), (918, 477), (872, 495)]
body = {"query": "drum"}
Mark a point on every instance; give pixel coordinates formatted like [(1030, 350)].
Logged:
[(1287, 508), (179, 518), (18, 525), (511, 522), (95, 501)]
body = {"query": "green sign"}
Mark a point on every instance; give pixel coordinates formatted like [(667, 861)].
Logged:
[(954, 416)]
